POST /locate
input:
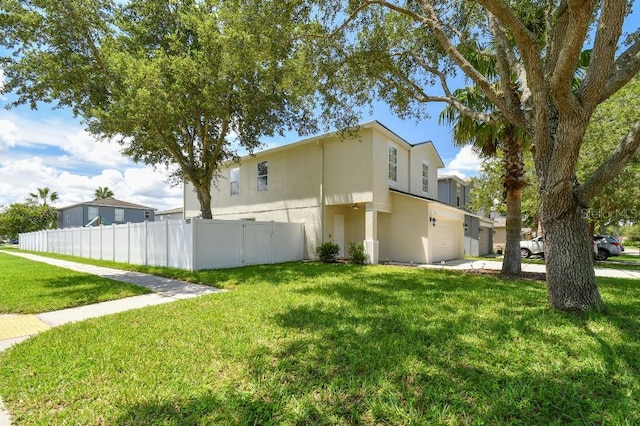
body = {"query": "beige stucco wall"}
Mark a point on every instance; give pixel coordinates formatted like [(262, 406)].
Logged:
[(419, 155), (403, 235)]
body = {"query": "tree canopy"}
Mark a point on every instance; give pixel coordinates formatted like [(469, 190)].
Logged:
[(410, 52), (185, 83), (26, 217)]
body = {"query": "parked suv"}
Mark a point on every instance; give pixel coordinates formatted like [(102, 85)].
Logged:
[(607, 246)]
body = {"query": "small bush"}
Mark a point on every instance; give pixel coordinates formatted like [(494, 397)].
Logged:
[(357, 254), (328, 252)]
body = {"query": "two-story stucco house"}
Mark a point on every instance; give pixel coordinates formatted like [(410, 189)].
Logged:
[(478, 230), (376, 188), (104, 211)]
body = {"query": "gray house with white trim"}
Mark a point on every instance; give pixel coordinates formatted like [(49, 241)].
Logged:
[(104, 211)]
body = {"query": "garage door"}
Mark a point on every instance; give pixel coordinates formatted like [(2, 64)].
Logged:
[(445, 240)]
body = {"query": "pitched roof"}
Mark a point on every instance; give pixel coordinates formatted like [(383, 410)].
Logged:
[(170, 211), (110, 202)]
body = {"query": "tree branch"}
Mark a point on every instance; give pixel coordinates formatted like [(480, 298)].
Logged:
[(624, 69), (603, 53), (579, 13), (610, 168)]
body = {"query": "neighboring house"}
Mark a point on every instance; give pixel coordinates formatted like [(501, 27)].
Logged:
[(104, 211), (478, 230), (376, 188), (171, 214), (500, 234)]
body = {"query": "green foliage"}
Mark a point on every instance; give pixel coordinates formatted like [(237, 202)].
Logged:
[(103, 192), (309, 343), (20, 217), (43, 195), (186, 83), (357, 255), (620, 199), (328, 252)]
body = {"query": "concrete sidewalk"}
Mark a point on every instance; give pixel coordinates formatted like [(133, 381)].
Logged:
[(15, 328), (460, 265)]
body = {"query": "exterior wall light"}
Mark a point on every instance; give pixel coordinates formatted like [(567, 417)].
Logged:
[(433, 221)]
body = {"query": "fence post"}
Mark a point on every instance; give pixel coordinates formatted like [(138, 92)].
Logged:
[(146, 242), (166, 242), (113, 234), (273, 225), (194, 243), (128, 242)]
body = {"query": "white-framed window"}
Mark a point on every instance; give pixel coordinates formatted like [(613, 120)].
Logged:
[(93, 212), (234, 180), (425, 177), (147, 215), (68, 216), (458, 194), (119, 215), (263, 175), (393, 163)]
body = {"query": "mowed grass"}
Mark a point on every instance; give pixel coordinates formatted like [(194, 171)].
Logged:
[(299, 344), (33, 287)]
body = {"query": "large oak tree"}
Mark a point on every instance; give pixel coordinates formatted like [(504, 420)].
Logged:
[(184, 83), (407, 48)]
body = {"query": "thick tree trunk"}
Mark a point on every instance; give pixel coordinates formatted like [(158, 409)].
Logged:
[(511, 264), (513, 183), (204, 197), (571, 278)]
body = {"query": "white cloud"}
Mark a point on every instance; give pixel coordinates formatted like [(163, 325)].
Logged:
[(466, 160), (8, 134), (136, 185)]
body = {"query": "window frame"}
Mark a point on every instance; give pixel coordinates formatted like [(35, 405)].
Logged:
[(393, 164), (115, 215), (262, 179), (95, 209), (234, 184), (425, 179), (458, 194), (147, 215)]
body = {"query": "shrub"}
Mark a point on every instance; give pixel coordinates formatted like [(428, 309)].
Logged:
[(328, 252), (357, 254)]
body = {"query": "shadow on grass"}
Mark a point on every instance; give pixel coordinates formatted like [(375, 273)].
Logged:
[(421, 348)]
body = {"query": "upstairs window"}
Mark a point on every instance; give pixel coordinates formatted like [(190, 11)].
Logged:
[(263, 175), (234, 180), (393, 164), (119, 215), (68, 216), (425, 177), (458, 194), (147, 215)]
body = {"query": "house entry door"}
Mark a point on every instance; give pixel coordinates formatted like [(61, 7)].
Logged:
[(338, 232)]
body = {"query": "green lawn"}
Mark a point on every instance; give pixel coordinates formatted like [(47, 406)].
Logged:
[(336, 344), (32, 287)]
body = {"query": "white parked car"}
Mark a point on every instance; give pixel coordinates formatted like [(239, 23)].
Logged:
[(532, 247)]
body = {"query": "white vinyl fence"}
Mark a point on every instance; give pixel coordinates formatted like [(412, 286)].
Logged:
[(192, 244)]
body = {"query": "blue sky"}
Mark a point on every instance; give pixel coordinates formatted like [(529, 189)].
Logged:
[(49, 148)]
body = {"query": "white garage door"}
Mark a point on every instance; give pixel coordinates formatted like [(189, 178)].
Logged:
[(445, 240)]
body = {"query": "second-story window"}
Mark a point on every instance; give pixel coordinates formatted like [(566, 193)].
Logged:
[(458, 194), (425, 177), (393, 164), (147, 215), (234, 179), (68, 216), (263, 175)]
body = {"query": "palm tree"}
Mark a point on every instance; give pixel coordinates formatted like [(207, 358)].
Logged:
[(43, 194), (488, 138), (103, 192)]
